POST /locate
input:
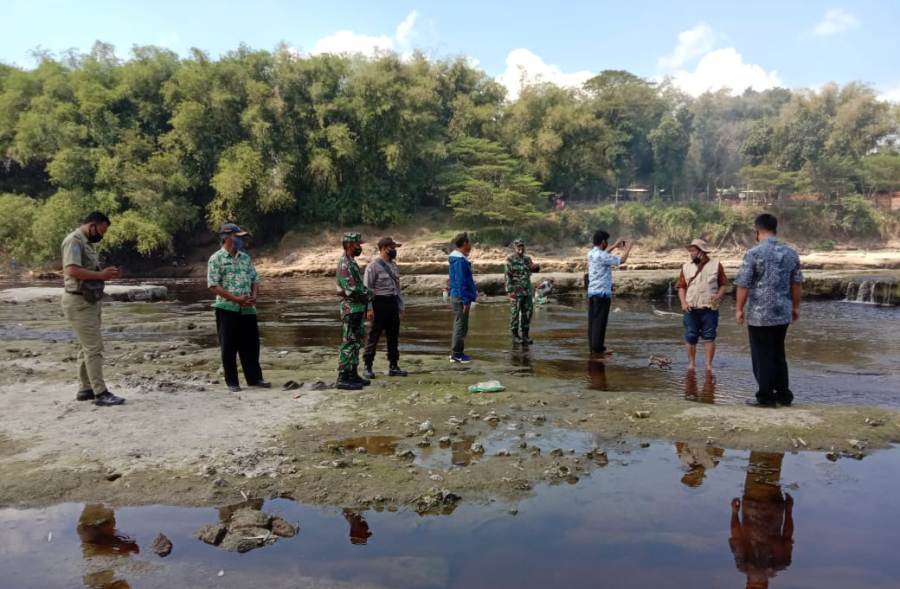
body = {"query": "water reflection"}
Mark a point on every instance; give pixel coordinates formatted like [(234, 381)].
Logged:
[(597, 376), (99, 538), (359, 528), (705, 395), (762, 524), (698, 460)]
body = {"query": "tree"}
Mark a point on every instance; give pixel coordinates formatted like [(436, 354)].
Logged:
[(483, 181), (881, 171), (670, 141)]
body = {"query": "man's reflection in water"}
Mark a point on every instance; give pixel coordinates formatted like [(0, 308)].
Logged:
[(597, 374), (359, 528), (698, 459), (99, 538), (521, 358), (762, 524), (705, 395)]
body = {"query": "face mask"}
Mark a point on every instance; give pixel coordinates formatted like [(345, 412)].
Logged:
[(392, 253), (94, 235), (238, 243), (357, 250), (697, 259)]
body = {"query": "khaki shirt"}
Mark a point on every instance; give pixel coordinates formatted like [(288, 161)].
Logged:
[(78, 251)]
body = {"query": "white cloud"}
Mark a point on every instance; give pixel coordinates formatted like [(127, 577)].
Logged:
[(524, 68), (369, 45), (836, 20), (891, 94), (725, 68), (692, 43), (404, 34), (713, 69)]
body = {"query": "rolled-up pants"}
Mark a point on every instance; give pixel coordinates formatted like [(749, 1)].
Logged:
[(85, 319), (387, 319)]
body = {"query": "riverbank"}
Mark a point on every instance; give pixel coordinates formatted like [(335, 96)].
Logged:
[(183, 439)]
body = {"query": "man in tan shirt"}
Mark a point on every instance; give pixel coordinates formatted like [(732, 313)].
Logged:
[(701, 286), (82, 304)]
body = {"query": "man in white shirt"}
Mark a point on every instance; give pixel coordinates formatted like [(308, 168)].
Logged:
[(600, 264)]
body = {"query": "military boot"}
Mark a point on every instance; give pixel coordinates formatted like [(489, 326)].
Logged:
[(355, 377), (515, 338), (525, 339), (346, 383), (368, 373)]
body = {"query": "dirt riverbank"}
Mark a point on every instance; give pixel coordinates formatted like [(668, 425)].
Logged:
[(182, 439)]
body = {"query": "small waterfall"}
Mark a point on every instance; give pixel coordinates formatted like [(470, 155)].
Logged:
[(870, 292), (670, 292)]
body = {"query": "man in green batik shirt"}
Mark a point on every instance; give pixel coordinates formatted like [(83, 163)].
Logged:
[(518, 286), (354, 301), (231, 276)]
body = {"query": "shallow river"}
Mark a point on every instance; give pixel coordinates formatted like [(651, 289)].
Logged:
[(669, 515), (839, 352), (644, 521)]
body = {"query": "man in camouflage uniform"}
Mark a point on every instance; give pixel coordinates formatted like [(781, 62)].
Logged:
[(354, 301), (518, 286)]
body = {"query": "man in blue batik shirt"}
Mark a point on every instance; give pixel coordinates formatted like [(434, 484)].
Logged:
[(769, 285), (600, 264)]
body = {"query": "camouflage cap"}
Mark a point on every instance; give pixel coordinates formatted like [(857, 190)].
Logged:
[(517, 242), (351, 237)]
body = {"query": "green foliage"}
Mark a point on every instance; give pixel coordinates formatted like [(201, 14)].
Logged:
[(484, 182), (172, 145), (858, 217), (17, 215)]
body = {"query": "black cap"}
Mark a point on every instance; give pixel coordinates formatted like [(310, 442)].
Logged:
[(387, 242)]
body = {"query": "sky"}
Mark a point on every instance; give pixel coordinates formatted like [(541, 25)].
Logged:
[(700, 45)]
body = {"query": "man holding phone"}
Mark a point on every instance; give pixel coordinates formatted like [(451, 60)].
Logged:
[(232, 277), (82, 304), (600, 264)]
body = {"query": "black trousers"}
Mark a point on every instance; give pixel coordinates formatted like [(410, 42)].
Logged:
[(239, 336), (598, 317), (769, 363), (387, 319)]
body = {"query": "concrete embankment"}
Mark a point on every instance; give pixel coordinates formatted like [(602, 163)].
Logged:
[(115, 292)]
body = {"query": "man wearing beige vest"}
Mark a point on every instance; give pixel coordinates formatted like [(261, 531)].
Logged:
[(701, 287), (82, 305)]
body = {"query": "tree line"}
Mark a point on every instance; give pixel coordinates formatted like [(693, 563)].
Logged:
[(171, 146)]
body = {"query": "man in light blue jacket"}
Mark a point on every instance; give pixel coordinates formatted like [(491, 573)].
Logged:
[(462, 295)]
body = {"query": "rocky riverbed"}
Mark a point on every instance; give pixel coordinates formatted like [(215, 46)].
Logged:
[(422, 442)]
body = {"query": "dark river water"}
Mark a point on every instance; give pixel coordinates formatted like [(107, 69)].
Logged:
[(669, 515), (645, 521)]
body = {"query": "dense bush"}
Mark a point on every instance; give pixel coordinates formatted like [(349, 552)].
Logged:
[(171, 146)]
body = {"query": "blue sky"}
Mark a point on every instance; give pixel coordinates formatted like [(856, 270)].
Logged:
[(701, 44)]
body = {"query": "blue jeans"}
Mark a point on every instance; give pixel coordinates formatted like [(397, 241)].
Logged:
[(700, 323)]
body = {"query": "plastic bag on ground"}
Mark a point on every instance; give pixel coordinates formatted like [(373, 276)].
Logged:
[(490, 386)]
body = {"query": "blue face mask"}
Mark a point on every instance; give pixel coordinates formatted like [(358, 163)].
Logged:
[(392, 253), (238, 243)]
